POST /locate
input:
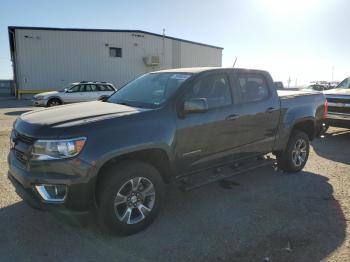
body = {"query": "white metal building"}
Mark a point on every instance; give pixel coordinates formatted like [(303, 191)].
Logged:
[(49, 58)]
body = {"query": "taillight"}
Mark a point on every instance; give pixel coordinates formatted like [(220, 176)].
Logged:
[(325, 112)]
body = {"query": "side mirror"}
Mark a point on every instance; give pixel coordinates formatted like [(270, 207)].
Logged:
[(196, 105), (66, 90)]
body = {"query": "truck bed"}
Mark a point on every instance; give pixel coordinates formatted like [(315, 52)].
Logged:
[(283, 94)]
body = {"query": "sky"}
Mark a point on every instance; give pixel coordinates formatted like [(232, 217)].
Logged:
[(300, 40)]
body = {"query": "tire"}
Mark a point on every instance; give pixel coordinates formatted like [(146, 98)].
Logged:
[(298, 145), (116, 196), (53, 102)]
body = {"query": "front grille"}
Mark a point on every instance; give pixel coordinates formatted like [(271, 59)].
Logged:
[(20, 157), (338, 100), (25, 139), (336, 109), (22, 146)]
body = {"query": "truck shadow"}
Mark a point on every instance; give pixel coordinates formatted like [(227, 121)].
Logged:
[(267, 214), (328, 147)]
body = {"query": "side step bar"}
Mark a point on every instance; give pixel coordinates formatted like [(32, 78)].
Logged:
[(200, 179)]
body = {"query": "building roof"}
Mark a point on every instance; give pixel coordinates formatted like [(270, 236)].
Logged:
[(11, 28)]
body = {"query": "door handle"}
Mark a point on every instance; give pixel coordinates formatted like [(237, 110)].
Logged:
[(270, 110), (232, 117)]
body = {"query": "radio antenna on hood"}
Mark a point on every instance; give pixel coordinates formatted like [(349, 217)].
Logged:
[(234, 63)]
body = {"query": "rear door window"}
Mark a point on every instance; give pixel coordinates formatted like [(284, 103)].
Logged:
[(87, 88), (253, 88), (93, 88)]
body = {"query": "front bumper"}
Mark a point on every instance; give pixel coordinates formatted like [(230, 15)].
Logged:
[(338, 119), (42, 102), (77, 175)]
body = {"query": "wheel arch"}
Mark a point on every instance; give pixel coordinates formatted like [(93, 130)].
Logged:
[(156, 157), (55, 97), (307, 126)]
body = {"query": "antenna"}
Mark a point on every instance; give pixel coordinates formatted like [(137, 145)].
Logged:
[(234, 63)]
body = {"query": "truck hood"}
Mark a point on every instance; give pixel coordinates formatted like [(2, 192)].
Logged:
[(61, 115), (337, 92)]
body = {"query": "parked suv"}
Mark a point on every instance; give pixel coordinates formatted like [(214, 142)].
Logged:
[(339, 105), (189, 127), (75, 92)]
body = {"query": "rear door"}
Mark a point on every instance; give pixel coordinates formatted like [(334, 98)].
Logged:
[(206, 139), (91, 92), (259, 113)]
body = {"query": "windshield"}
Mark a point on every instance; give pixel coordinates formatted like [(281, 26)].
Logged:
[(150, 90), (345, 83)]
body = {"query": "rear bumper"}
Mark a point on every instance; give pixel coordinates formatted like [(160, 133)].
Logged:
[(80, 194)]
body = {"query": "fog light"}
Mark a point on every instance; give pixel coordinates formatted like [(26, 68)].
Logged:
[(52, 193)]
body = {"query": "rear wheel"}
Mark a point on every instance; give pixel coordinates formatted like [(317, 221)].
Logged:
[(294, 157), (129, 197), (54, 102)]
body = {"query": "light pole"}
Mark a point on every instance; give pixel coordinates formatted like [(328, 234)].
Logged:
[(332, 72)]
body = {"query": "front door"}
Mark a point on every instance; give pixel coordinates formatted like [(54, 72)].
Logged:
[(74, 94), (205, 139)]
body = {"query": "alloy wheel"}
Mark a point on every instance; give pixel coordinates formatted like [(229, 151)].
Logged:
[(299, 152), (134, 200)]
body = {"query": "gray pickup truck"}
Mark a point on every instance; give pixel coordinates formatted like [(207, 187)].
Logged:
[(189, 127), (339, 105)]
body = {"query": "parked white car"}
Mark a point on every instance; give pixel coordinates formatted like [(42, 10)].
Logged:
[(75, 92)]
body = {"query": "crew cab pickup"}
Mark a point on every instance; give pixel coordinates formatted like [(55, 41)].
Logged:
[(184, 126), (339, 104)]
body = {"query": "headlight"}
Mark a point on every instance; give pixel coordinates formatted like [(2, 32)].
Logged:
[(57, 149), (39, 97)]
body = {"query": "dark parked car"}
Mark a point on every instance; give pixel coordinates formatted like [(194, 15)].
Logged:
[(279, 85), (185, 126), (339, 104)]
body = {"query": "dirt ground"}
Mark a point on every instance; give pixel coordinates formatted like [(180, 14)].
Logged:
[(268, 216)]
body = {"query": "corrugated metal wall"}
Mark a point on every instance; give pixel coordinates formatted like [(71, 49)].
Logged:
[(51, 59)]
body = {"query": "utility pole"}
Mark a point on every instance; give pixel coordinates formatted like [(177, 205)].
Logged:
[(332, 72), (289, 80)]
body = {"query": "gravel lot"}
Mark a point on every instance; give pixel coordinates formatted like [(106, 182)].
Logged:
[(268, 216)]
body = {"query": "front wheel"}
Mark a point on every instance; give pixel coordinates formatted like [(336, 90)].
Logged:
[(294, 157), (129, 197), (54, 102)]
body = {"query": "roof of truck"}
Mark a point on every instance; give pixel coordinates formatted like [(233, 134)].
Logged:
[(196, 70)]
